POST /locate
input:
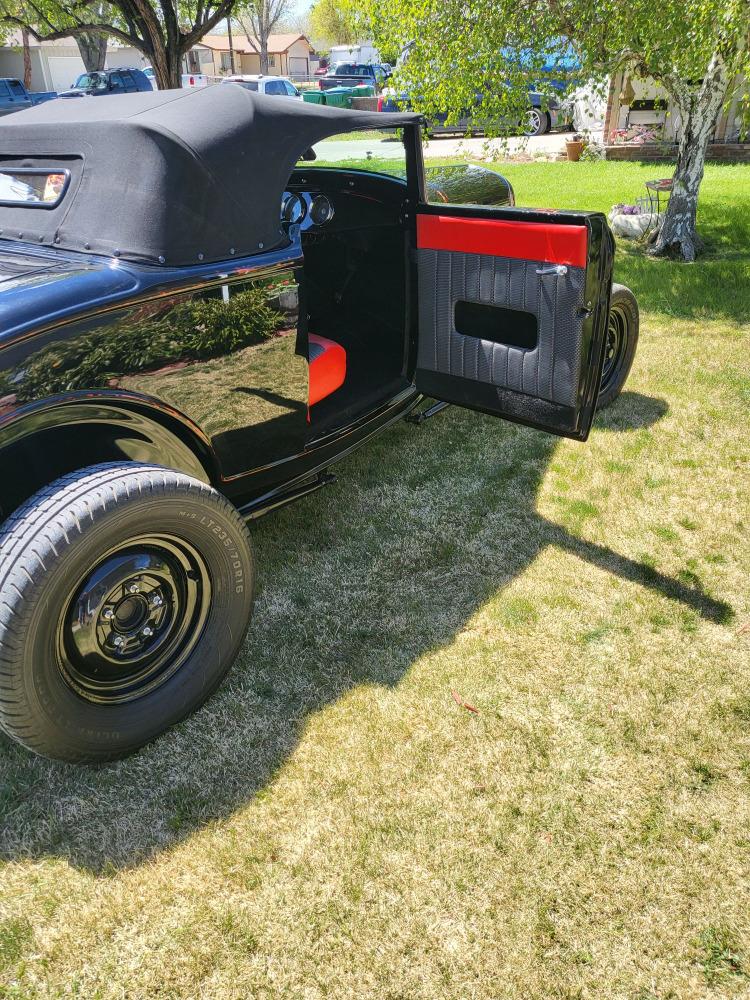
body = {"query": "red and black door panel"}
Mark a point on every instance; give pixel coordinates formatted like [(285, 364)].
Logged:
[(512, 312)]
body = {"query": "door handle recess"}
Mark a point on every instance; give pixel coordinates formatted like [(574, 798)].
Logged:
[(558, 269)]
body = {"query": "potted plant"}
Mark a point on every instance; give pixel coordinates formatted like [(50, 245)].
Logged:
[(575, 146)]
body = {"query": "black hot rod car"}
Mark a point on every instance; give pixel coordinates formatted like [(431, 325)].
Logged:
[(197, 319)]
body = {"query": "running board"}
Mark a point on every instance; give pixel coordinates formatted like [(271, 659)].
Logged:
[(419, 418), (275, 499)]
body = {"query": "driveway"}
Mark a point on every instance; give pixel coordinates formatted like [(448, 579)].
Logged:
[(449, 145), (445, 146)]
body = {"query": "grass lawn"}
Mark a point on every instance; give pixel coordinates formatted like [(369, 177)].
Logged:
[(336, 824)]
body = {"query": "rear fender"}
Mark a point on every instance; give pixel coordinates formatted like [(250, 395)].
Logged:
[(45, 440)]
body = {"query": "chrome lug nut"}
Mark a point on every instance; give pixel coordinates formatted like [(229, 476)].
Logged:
[(134, 588), (156, 600), (118, 640), (108, 614), (147, 631)]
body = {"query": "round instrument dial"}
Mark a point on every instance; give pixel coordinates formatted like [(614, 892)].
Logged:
[(321, 210), (293, 209)]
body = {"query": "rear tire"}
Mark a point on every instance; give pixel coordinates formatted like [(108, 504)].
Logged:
[(125, 594), (622, 340)]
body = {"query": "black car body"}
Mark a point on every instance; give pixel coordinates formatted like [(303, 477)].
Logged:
[(106, 82), (195, 340)]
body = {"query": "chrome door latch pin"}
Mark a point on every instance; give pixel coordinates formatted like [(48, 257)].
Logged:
[(558, 269)]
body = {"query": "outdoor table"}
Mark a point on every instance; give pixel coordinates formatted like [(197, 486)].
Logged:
[(658, 188)]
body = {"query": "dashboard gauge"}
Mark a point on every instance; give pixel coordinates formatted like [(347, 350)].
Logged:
[(321, 210), (293, 209)]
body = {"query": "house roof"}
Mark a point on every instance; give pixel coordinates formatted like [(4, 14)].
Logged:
[(13, 40), (241, 43)]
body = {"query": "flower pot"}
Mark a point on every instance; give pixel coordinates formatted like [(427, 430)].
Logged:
[(574, 149)]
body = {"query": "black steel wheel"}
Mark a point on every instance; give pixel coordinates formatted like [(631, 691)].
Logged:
[(134, 620), (125, 592), (622, 341)]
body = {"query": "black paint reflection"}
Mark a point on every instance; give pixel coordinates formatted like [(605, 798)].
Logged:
[(228, 358)]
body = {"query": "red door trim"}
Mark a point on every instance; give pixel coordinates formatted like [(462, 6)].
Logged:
[(537, 241)]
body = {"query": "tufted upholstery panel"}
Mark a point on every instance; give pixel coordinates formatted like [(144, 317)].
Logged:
[(550, 370)]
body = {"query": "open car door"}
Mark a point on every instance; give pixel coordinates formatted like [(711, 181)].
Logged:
[(512, 312)]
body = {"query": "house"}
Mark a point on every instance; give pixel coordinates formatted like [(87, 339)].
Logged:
[(634, 104), (289, 54), (56, 65)]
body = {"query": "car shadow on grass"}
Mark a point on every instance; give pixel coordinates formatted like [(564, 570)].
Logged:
[(356, 584)]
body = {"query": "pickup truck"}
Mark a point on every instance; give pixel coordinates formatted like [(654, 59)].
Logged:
[(15, 97), (351, 74)]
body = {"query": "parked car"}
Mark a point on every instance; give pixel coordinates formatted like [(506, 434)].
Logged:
[(125, 80), (351, 74), (273, 86), (188, 80), (15, 97), (543, 114), (202, 355)]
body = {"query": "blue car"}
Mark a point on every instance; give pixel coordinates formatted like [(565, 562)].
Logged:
[(15, 97), (127, 80)]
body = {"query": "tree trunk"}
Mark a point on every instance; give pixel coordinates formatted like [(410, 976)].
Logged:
[(163, 42), (699, 114), (26, 58), (166, 62), (169, 75), (264, 30), (93, 48)]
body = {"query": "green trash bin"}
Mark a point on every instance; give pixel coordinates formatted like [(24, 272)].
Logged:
[(314, 96), (363, 90), (339, 97)]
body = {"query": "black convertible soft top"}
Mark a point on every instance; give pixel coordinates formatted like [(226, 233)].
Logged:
[(171, 176)]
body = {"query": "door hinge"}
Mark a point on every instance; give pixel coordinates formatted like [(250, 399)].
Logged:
[(430, 411)]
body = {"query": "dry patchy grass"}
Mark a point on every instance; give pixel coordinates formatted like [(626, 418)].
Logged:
[(334, 824)]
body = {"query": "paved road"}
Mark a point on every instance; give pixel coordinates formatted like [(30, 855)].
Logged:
[(442, 146)]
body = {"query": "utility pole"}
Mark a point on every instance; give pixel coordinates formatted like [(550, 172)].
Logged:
[(231, 47)]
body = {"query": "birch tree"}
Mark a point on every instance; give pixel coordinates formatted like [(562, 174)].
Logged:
[(696, 49)]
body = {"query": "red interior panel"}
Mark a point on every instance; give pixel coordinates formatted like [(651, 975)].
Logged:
[(327, 367), (538, 241)]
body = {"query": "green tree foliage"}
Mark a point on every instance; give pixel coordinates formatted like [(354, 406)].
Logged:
[(339, 22), (162, 30), (694, 48)]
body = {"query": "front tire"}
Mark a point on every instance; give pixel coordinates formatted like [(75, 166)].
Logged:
[(622, 340), (125, 594), (538, 122)]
